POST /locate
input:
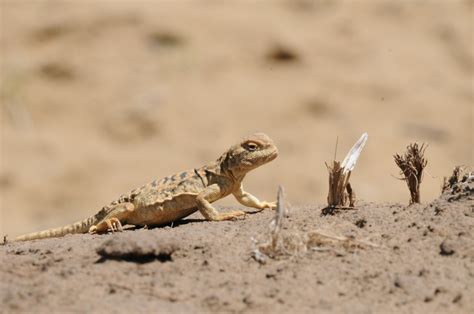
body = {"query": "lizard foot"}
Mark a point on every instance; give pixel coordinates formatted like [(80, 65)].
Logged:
[(270, 205), (232, 215), (111, 224)]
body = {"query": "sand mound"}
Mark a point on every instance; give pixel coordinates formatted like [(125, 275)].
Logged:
[(422, 259)]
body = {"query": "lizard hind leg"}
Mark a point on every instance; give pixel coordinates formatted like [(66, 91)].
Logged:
[(113, 221), (109, 224)]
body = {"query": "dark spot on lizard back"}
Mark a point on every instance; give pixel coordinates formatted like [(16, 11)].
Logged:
[(173, 178), (183, 175), (135, 191), (154, 183), (124, 198), (102, 213), (197, 175), (104, 209)]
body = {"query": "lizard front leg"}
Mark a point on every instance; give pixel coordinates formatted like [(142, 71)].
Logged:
[(210, 194), (247, 199)]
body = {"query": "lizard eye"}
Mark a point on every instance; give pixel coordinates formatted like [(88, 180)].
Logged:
[(251, 147)]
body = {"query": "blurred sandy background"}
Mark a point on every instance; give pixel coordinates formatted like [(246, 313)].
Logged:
[(99, 97)]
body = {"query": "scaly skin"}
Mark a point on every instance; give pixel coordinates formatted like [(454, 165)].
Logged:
[(175, 197)]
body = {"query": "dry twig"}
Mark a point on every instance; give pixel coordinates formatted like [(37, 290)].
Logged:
[(318, 239)]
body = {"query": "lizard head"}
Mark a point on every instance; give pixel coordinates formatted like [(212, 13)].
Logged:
[(248, 154)]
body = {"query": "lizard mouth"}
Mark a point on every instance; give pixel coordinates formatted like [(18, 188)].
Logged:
[(272, 155), (260, 159)]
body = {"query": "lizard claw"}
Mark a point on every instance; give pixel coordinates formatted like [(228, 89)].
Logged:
[(236, 214), (113, 225), (270, 205), (239, 215), (117, 225)]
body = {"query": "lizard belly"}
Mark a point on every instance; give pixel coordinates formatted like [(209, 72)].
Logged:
[(164, 212)]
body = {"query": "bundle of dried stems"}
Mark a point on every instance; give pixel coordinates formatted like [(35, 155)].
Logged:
[(411, 165)]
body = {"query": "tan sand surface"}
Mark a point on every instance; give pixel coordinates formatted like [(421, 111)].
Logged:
[(398, 259)]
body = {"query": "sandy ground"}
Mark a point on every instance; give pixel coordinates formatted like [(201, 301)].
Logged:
[(416, 259), (98, 98)]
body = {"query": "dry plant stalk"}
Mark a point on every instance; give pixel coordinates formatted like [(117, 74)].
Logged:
[(279, 244), (275, 224), (411, 165), (341, 194), (340, 191), (294, 244)]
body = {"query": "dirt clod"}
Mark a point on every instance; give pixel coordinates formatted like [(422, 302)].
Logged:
[(361, 223), (457, 298), (129, 248), (446, 248)]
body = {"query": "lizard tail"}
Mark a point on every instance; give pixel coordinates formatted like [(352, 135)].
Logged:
[(77, 227)]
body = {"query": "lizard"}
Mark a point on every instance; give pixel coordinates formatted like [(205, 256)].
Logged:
[(174, 197)]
